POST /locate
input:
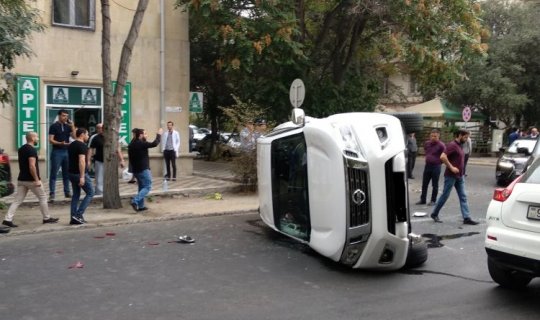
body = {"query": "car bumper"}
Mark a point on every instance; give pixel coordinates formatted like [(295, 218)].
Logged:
[(517, 249)]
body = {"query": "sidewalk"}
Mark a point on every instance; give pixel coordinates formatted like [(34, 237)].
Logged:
[(189, 196)]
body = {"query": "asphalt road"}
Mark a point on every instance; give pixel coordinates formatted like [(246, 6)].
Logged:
[(240, 269)]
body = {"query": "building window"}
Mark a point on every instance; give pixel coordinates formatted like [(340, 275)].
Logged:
[(74, 13)]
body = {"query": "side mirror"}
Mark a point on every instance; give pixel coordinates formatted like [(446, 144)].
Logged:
[(523, 150), (298, 116)]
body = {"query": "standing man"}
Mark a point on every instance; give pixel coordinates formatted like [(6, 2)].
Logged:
[(191, 138), (59, 134), (29, 179), (453, 158), (79, 177), (412, 150), (467, 149), (433, 149), (170, 149), (97, 141), (140, 164)]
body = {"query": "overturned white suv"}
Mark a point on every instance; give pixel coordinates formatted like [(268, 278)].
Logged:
[(339, 185)]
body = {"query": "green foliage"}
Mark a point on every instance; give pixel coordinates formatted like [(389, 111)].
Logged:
[(343, 50), (17, 22)]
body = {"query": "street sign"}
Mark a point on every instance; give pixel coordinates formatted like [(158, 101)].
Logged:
[(297, 93), (196, 102), (466, 113), (125, 108), (27, 107)]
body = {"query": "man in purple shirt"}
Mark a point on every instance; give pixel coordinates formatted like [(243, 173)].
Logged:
[(432, 171), (453, 158)]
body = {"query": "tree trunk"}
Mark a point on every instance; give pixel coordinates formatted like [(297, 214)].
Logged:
[(113, 100)]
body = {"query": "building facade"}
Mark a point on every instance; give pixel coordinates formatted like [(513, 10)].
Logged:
[(65, 72)]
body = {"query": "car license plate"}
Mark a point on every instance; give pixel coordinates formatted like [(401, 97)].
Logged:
[(533, 213)]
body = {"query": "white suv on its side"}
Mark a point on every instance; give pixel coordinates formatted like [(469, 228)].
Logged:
[(513, 232), (339, 185)]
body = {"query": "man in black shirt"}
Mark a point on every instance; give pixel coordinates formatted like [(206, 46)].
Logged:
[(29, 179), (59, 134), (79, 177), (140, 165), (96, 143)]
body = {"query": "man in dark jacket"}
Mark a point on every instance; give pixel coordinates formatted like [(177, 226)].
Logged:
[(140, 165)]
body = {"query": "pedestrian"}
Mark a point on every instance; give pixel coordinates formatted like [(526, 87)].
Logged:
[(79, 177), (138, 157), (467, 149), (513, 135), (412, 150), (96, 144), (59, 137), (130, 167), (247, 138), (29, 179), (533, 133), (433, 148), (453, 158), (171, 149), (191, 138)]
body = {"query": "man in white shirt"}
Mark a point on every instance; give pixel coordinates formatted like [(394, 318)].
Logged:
[(170, 146)]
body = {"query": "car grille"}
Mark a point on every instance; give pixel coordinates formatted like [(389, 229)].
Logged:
[(358, 192)]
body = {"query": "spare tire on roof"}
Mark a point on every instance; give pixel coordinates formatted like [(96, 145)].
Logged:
[(411, 121)]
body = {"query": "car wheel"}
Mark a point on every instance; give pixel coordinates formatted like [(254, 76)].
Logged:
[(506, 277), (411, 121), (417, 253)]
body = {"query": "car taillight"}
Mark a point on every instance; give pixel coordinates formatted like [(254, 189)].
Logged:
[(4, 158), (502, 194)]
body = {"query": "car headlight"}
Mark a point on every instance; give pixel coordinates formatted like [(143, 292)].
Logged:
[(348, 138)]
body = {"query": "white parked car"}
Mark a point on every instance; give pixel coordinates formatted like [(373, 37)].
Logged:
[(338, 184), (513, 232)]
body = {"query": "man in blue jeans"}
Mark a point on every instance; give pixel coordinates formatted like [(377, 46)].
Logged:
[(79, 177), (59, 134), (140, 165), (433, 149), (453, 158)]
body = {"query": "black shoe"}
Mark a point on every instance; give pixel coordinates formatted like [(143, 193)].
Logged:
[(132, 181), (134, 206), (50, 220), (9, 224), (4, 229), (435, 218), (432, 203), (143, 209), (420, 202), (51, 198), (470, 221), (173, 179), (76, 220), (67, 195)]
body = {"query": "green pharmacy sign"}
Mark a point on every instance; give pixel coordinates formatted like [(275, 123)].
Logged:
[(27, 107)]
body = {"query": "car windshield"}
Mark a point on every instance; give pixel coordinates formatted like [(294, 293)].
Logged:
[(522, 143)]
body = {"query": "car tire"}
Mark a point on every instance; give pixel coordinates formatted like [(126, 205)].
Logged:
[(417, 254), (411, 121), (506, 277)]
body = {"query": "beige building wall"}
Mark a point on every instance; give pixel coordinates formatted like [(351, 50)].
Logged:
[(61, 50)]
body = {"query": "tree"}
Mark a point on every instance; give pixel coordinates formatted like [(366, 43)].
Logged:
[(113, 100), (342, 50), (17, 22)]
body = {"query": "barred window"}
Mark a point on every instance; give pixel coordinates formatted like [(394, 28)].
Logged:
[(74, 13)]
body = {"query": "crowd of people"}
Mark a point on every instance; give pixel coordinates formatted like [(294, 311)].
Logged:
[(75, 152)]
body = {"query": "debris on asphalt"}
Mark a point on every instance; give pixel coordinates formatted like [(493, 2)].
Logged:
[(152, 243), (215, 196), (76, 265), (110, 234), (419, 214), (185, 239), (99, 237)]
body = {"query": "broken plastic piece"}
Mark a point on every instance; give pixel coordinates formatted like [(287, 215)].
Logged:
[(76, 265), (186, 239), (419, 214), (110, 234)]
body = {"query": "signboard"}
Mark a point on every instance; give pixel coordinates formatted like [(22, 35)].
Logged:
[(196, 102), (75, 96), (125, 122), (466, 113), (27, 107), (297, 93)]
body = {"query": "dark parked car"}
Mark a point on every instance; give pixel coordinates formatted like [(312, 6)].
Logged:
[(6, 187), (514, 160)]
